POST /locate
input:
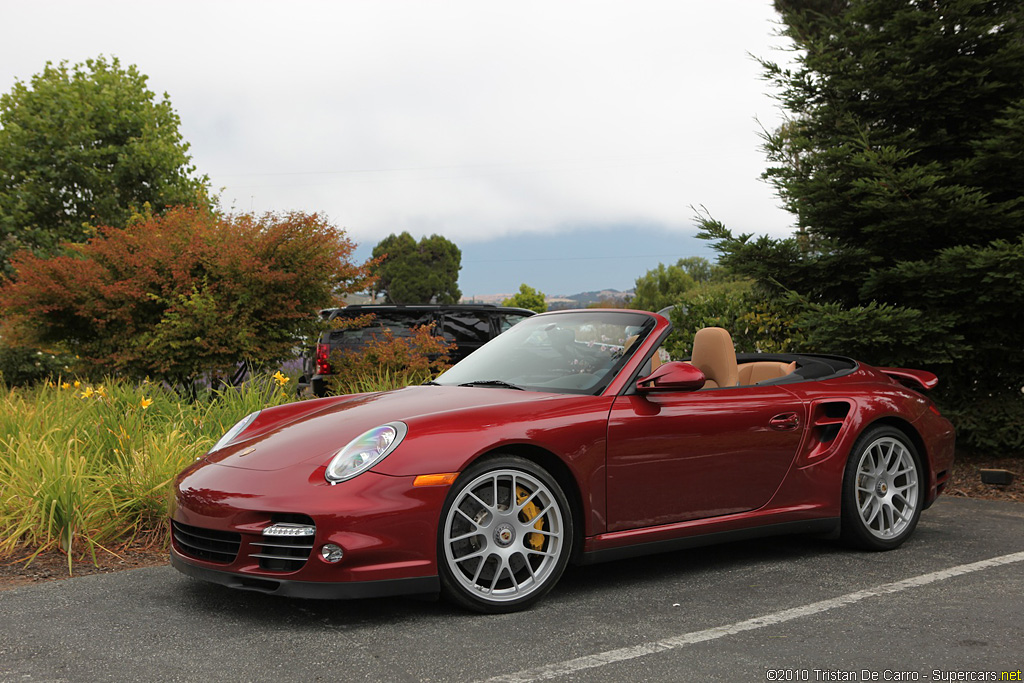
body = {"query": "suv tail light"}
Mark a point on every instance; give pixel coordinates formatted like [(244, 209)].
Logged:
[(323, 359)]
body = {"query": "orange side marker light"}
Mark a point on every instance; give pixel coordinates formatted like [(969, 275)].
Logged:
[(436, 479)]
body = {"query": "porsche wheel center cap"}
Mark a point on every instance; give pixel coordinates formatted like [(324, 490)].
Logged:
[(504, 535), (882, 488)]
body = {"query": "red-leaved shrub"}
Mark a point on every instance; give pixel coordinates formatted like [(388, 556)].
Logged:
[(186, 293)]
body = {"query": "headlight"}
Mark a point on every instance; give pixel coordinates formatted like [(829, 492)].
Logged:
[(365, 451), (234, 431)]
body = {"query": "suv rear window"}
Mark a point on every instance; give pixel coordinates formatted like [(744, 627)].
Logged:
[(399, 323)]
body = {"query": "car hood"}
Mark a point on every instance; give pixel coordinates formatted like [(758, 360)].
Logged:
[(315, 436)]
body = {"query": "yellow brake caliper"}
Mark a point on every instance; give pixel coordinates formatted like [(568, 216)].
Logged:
[(530, 512)]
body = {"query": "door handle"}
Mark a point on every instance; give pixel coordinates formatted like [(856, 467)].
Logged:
[(784, 422)]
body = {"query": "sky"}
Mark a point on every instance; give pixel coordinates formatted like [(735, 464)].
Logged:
[(565, 145)]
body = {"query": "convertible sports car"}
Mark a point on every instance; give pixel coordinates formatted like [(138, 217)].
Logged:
[(568, 438)]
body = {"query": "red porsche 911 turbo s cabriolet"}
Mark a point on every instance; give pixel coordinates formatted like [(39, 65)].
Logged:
[(568, 438)]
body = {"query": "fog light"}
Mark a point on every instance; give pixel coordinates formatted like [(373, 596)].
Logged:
[(332, 553)]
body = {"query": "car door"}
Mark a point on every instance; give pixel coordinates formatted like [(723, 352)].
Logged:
[(682, 455)]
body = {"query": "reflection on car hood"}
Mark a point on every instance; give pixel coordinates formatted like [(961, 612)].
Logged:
[(314, 437)]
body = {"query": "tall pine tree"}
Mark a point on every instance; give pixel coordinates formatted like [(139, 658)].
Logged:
[(902, 162)]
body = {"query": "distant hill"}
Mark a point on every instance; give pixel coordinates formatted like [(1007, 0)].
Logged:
[(560, 302), (584, 299), (485, 299)]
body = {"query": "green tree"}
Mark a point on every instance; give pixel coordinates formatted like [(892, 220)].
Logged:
[(901, 163), (87, 145), (184, 294), (528, 297), (664, 286), (417, 273), (701, 270)]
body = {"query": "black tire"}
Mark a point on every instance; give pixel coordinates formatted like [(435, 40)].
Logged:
[(883, 490), (504, 537)]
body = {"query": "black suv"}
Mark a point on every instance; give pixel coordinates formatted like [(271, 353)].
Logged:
[(469, 326)]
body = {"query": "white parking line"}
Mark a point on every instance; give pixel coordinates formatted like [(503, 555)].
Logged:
[(626, 653)]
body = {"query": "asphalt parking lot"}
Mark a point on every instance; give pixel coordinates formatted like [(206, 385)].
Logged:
[(949, 605)]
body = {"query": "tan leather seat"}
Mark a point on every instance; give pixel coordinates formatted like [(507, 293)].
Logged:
[(752, 373), (715, 356)]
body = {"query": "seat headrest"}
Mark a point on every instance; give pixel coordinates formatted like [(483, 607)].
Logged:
[(715, 356)]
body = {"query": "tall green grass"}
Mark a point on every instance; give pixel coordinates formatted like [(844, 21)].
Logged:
[(89, 467), (379, 379)]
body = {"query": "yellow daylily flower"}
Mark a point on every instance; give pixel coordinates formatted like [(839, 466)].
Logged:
[(280, 378), (146, 402), (65, 385), (77, 384), (87, 393)]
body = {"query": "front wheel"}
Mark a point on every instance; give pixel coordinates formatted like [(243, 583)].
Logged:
[(882, 494), (505, 536)]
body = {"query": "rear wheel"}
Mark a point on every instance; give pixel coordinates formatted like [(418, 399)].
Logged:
[(882, 492), (505, 535)]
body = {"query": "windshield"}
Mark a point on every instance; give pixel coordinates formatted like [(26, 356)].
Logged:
[(577, 352)]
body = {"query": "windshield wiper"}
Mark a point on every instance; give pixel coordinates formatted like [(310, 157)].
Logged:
[(491, 383), (430, 384)]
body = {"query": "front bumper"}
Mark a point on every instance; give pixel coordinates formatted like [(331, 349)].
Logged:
[(386, 526), (308, 589)]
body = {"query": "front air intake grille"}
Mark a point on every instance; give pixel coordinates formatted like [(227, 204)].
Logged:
[(286, 544), (209, 545)]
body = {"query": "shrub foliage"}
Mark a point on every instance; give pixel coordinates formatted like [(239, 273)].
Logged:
[(184, 294), (757, 321)]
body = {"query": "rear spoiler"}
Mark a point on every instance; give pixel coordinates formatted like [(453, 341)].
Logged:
[(914, 379)]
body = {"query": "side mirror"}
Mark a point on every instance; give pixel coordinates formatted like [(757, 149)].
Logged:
[(672, 377)]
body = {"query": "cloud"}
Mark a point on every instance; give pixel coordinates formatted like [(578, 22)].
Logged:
[(473, 120)]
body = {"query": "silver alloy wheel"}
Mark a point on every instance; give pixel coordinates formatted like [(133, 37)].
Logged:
[(887, 488), (503, 535)]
